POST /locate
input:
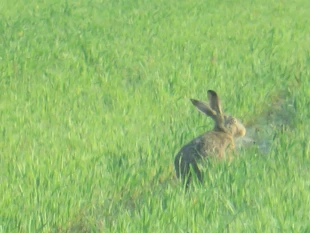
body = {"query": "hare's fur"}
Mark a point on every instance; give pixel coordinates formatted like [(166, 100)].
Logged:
[(212, 143)]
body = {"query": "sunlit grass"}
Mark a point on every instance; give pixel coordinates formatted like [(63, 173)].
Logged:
[(94, 105)]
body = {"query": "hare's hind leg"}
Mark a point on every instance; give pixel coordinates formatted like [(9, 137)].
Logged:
[(177, 165), (193, 169), (182, 169), (185, 169)]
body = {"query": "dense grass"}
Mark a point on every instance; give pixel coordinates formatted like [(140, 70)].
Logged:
[(94, 107)]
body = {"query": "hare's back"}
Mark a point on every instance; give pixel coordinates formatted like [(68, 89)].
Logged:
[(212, 143), (215, 143)]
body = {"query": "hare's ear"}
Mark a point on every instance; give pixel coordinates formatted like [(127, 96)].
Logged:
[(204, 108), (215, 104)]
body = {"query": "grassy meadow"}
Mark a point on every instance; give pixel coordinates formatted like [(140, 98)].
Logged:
[(94, 105)]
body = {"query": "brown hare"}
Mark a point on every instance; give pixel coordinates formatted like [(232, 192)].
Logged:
[(212, 143)]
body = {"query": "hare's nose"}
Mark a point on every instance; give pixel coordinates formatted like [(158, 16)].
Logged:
[(243, 132)]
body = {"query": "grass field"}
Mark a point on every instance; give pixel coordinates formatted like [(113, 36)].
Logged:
[(94, 105)]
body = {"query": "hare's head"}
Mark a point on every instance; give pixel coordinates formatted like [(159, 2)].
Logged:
[(222, 122), (234, 126)]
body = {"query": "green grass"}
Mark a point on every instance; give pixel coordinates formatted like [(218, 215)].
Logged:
[(94, 105)]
